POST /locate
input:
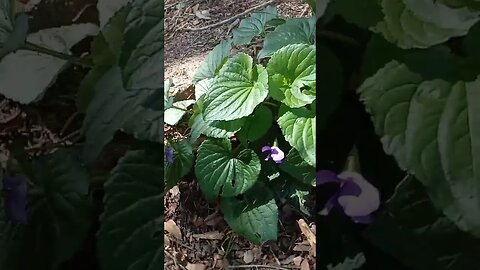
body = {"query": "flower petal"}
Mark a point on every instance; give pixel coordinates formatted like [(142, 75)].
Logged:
[(325, 176), (169, 155), (363, 204), (266, 148), (16, 189), (277, 154)]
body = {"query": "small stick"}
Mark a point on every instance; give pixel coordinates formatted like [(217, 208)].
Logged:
[(68, 122), (257, 266), (231, 18)]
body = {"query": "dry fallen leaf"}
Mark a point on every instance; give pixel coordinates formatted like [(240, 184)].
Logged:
[(305, 265), (215, 235), (166, 241), (288, 260), (203, 14), (311, 238), (297, 260), (301, 248), (197, 266), (172, 228), (248, 256)]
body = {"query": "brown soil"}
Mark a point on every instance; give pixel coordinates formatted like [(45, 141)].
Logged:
[(206, 241)]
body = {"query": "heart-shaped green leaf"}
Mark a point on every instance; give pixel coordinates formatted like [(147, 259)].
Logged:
[(423, 23), (253, 26), (237, 90), (257, 124), (299, 128), (131, 233), (182, 163), (59, 216), (142, 50), (110, 109), (298, 168), (175, 114), (146, 124), (255, 217), (213, 62), (39, 71), (293, 31), (215, 129), (221, 172), (432, 130), (292, 72)]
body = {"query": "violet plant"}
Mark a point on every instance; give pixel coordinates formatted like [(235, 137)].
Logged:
[(252, 124)]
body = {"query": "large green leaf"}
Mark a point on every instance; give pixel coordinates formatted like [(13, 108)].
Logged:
[(298, 168), (110, 109), (292, 72), (6, 20), (431, 63), (410, 218), (473, 4), (222, 172), (142, 51), (60, 216), (432, 130), (257, 125), (423, 23), (215, 129), (39, 71), (293, 31), (214, 61), (253, 26), (146, 123), (131, 232), (331, 85), (349, 10), (299, 128), (255, 216), (237, 90), (182, 163), (106, 49), (14, 40), (173, 115), (203, 87), (108, 8), (13, 31)]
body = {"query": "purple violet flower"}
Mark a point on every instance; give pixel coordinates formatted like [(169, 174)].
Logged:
[(276, 154), (356, 197), (15, 189), (169, 155)]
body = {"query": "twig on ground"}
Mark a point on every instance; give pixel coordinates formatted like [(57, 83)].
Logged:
[(175, 260), (257, 266), (274, 256), (181, 244), (231, 18), (68, 122), (80, 13)]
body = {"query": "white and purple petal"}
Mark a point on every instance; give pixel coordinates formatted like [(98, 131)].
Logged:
[(363, 203)]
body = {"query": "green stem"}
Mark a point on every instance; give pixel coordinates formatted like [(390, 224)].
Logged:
[(271, 104), (73, 59), (337, 36), (237, 150)]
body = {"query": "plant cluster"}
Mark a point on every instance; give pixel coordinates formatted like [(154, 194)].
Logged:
[(253, 125)]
